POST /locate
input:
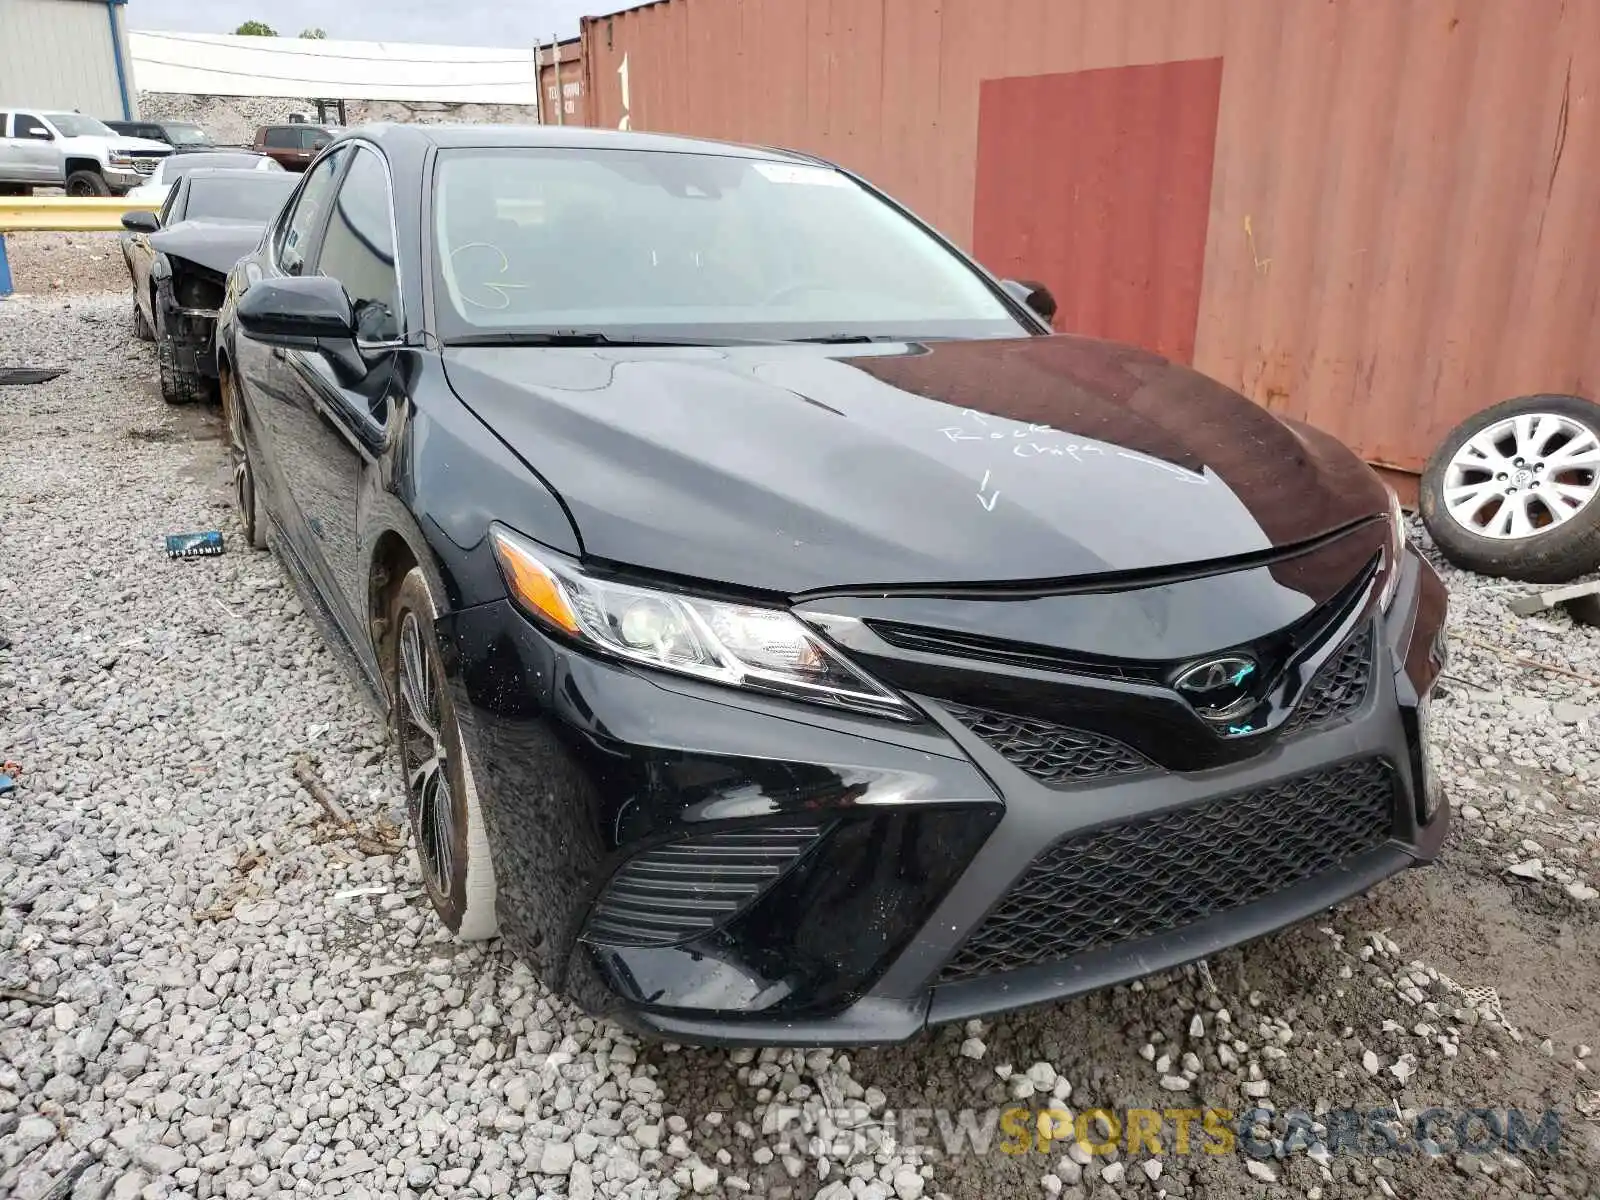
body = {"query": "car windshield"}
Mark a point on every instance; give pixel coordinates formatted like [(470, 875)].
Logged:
[(187, 135), (78, 125), (629, 244), (256, 199)]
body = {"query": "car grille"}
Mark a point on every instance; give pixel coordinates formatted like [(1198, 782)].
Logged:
[(1052, 754), (1339, 688), (686, 888), (1146, 877)]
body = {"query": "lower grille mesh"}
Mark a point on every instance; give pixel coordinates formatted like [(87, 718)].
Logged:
[(686, 888), (1147, 877), (1052, 754), (1339, 687)]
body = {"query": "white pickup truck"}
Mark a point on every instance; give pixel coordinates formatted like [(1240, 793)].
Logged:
[(41, 148)]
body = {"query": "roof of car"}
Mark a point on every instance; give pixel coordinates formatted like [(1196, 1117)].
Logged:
[(555, 136), (241, 173)]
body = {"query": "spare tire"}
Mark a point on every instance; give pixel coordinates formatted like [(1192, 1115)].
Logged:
[(1514, 491)]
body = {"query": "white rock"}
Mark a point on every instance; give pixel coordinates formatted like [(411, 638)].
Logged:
[(703, 1179), (1260, 1170), (557, 1158), (256, 912)]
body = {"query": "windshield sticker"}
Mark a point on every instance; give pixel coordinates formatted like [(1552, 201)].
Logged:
[(791, 173)]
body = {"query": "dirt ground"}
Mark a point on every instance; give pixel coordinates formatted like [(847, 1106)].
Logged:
[(45, 263)]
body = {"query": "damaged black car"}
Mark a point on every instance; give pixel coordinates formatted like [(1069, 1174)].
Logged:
[(179, 259), (787, 637)]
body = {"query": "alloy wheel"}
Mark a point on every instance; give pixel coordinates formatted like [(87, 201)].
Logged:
[(425, 759), (1523, 476)]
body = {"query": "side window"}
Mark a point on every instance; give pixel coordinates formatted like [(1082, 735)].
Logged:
[(172, 209), (28, 124), (358, 249), (279, 138), (293, 243), (314, 139)]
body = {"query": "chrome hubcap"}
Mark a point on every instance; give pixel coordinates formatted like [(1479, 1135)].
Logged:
[(423, 756), (1523, 476)]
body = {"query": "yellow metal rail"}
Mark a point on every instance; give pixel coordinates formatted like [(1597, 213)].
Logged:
[(68, 214)]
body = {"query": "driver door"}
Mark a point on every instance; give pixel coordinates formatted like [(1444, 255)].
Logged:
[(280, 426), (33, 148)]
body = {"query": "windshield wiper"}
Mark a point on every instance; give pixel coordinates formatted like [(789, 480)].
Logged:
[(589, 337)]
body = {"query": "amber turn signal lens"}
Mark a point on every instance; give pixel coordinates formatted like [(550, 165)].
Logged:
[(533, 584)]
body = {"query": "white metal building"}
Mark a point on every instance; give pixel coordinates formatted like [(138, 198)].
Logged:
[(223, 64), (67, 54)]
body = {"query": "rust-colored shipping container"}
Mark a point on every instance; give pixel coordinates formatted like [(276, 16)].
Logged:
[(562, 95), (1376, 215)]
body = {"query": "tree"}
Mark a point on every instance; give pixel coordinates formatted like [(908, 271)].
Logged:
[(257, 29), (314, 33)]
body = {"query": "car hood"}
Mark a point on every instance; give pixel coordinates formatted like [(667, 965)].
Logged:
[(216, 245), (796, 468), (128, 145)]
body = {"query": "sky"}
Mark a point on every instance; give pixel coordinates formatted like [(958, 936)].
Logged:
[(450, 22)]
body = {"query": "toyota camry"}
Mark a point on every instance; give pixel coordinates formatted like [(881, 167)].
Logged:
[(787, 637)]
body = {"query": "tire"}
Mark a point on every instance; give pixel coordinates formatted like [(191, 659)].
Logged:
[(16, 189), (87, 183), (460, 882), (1506, 526), (246, 496), (178, 386), (141, 327)]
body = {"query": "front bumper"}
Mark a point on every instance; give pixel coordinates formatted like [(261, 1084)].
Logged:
[(123, 178), (918, 836)]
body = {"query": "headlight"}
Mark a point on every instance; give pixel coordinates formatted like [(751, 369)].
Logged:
[(1395, 553), (739, 645), (122, 160)]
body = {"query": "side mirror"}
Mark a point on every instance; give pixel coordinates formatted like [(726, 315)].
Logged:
[(140, 221), (296, 310), (1035, 295), (44, 135)]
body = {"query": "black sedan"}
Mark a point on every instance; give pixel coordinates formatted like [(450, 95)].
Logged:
[(786, 637), (179, 259)]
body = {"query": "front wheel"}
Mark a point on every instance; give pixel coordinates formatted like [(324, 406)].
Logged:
[(442, 804), (179, 384), (1515, 490), (87, 183)]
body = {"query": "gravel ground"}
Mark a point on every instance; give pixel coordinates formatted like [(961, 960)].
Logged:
[(212, 990)]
